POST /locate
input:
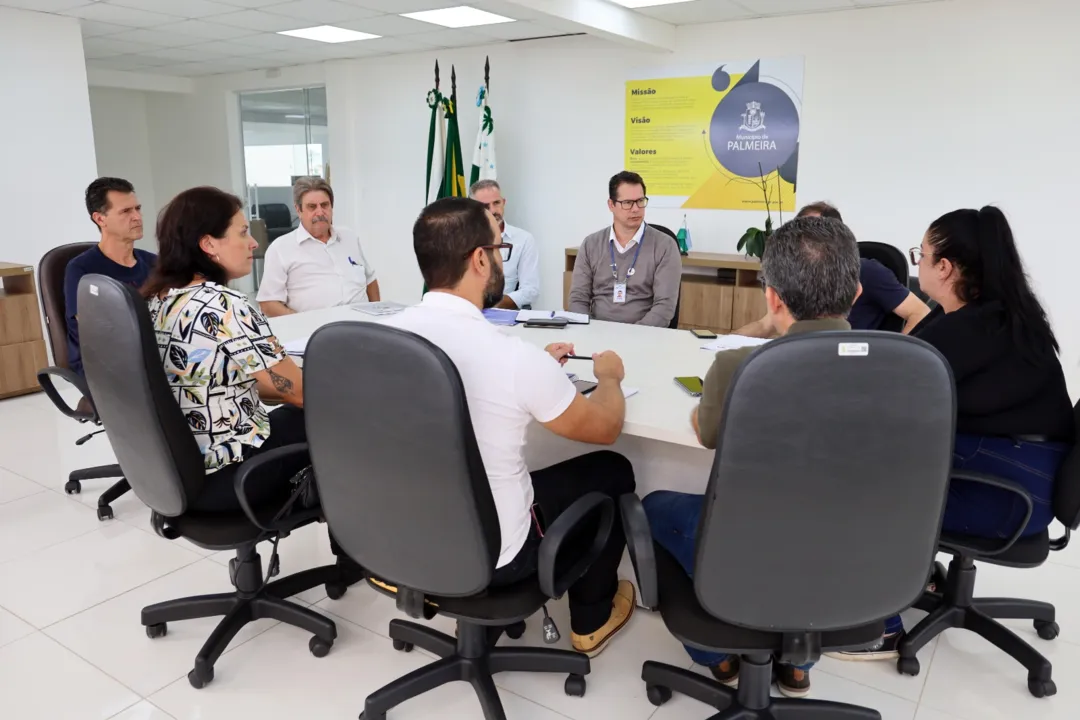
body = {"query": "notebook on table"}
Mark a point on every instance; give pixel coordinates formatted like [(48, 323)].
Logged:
[(571, 317)]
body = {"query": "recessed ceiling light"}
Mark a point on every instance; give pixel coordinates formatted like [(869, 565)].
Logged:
[(328, 34), (296, 117), (458, 17), (646, 3)]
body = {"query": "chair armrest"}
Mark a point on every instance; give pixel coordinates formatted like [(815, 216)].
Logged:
[(594, 505), (258, 466), (639, 541), (45, 379), (954, 542)]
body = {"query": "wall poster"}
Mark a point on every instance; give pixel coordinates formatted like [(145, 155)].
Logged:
[(699, 139)]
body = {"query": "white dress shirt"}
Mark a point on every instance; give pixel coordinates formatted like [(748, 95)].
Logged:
[(508, 383), (523, 269), (307, 274), (633, 241)]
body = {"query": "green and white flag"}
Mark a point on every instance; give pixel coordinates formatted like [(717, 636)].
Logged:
[(483, 162), (436, 154)]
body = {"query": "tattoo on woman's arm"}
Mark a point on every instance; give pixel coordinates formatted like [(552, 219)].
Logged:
[(282, 384)]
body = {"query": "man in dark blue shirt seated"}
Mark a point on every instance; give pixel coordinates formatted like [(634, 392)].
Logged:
[(882, 294), (116, 212)]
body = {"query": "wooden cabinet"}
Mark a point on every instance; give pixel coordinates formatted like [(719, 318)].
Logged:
[(719, 292), (22, 347)]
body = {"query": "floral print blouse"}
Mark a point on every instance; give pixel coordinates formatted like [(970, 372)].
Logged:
[(211, 341)]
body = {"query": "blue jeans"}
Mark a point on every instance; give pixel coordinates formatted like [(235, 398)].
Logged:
[(673, 517), (983, 511)]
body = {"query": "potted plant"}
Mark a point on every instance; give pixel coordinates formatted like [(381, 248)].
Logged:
[(753, 240)]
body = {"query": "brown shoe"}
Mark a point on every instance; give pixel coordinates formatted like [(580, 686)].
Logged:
[(793, 682), (622, 607), (727, 671)]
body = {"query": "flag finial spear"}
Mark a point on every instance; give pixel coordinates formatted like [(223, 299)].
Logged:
[(487, 73), (453, 80), (436, 74)]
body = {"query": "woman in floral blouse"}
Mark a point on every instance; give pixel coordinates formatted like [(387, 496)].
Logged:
[(219, 354)]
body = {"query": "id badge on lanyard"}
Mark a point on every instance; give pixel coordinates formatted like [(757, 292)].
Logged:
[(619, 291)]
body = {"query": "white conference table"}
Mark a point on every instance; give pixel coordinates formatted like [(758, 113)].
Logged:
[(657, 436)]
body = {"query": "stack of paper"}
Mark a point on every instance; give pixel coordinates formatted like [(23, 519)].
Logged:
[(296, 347), (732, 342), (496, 316), (571, 317)]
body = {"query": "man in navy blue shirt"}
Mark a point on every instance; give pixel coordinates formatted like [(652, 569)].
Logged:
[(117, 214), (881, 294)]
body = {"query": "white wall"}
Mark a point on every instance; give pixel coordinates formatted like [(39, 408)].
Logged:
[(122, 145), (46, 132), (909, 112)]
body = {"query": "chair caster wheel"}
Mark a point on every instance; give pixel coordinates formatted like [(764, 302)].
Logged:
[(199, 680), (336, 591), (104, 512), (319, 648), (1047, 630), (657, 694), (1042, 688), (158, 630), (402, 646), (73, 487), (908, 666), (515, 631), (574, 685)]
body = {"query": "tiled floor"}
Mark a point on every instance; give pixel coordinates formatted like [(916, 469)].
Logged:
[(71, 645)]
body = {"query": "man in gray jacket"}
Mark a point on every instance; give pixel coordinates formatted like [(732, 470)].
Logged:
[(629, 272)]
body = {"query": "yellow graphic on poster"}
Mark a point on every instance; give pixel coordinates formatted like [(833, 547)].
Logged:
[(705, 140)]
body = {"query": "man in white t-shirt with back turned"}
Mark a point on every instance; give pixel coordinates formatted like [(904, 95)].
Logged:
[(508, 384), (317, 265)]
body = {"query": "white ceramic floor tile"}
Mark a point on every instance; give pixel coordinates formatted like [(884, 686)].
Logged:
[(973, 680), (14, 487), (43, 681), (38, 521), (70, 577), (273, 677), (111, 636), (373, 611), (614, 685), (925, 713), (139, 517), (883, 675), (12, 628), (143, 711)]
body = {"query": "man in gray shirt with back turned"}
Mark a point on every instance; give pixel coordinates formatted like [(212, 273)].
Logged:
[(627, 273)]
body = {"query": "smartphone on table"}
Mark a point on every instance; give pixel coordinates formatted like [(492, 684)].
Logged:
[(690, 385), (703, 334), (584, 386)]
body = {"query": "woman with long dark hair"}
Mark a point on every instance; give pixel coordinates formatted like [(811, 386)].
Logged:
[(219, 354), (1014, 417)]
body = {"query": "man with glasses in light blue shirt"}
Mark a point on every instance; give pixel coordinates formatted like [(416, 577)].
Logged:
[(522, 270)]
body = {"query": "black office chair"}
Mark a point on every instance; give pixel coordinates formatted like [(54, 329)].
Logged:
[(51, 281), (791, 559), (279, 220), (954, 604), (163, 463), (894, 260), (674, 324), (407, 497)]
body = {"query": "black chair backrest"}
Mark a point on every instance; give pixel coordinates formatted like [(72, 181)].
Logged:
[(144, 424), (894, 260), (889, 256), (276, 215), (1066, 501), (674, 324), (51, 282), (819, 432), (405, 495)]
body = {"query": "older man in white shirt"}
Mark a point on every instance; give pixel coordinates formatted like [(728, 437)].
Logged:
[(522, 270), (317, 265)]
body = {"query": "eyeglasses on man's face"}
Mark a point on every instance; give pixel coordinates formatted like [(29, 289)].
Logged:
[(505, 250), (629, 204)]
